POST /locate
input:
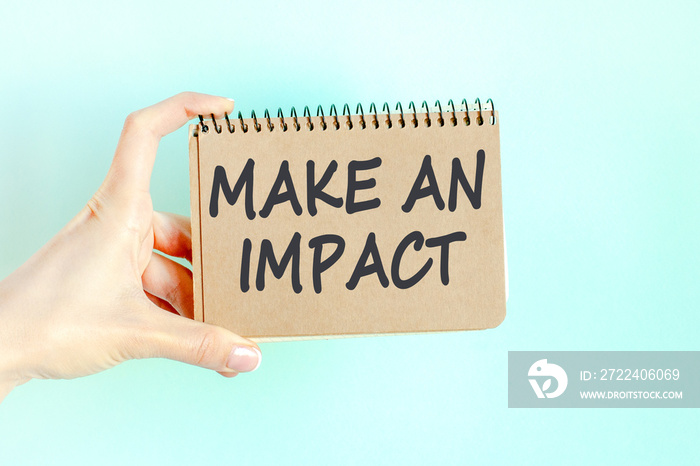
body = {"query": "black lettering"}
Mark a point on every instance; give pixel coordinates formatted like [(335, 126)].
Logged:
[(362, 269), (268, 255), (320, 266), (417, 192), (276, 197), (354, 185), (474, 195), (417, 239), (315, 191), (245, 266), (221, 181), (444, 243)]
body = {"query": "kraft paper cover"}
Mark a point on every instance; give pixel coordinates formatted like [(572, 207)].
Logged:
[(475, 296)]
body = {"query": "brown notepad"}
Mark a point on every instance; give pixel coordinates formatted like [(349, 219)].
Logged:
[(346, 225)]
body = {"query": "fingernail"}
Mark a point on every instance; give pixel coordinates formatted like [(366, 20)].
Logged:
[(244, 358), (229, 99)]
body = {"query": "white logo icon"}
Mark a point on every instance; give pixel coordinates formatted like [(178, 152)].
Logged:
[(542, 369)]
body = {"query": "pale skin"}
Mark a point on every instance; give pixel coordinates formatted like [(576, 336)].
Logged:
[(97, 294)]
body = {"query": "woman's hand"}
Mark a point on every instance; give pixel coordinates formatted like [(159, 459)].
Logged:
[(97, 294)]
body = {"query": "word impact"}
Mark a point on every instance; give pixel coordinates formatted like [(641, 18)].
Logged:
[(370, 262)]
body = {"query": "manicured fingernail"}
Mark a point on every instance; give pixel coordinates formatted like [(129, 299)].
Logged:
[(244, 358), (229, 99)]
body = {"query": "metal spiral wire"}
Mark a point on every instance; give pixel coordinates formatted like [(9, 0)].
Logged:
[(411, 120)]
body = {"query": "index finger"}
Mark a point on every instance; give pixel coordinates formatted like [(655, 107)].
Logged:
[(136, 152)]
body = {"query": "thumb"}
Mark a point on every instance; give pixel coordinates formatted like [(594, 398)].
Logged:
[(174, 337)]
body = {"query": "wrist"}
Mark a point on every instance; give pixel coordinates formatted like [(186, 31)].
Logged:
[(5, 389), (9, 376)]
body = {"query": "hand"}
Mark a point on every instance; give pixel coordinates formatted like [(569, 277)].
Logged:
[(97, 295)]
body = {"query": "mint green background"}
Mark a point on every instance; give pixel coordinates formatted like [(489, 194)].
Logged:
[(599, 108)]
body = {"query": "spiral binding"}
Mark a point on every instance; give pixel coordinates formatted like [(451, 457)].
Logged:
[(402, 121)]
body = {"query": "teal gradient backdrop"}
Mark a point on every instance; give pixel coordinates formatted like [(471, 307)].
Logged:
[(600, 151)]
